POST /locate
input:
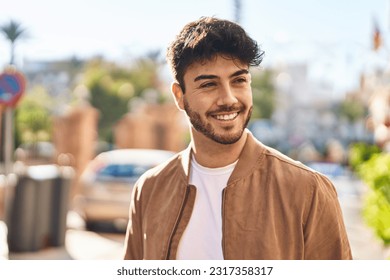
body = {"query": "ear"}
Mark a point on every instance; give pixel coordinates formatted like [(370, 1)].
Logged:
[(178, 94)]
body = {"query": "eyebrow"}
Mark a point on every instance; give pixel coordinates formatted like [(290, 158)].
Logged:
[(207, 77)]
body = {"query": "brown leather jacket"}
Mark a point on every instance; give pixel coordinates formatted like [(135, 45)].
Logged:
[(273, 208)]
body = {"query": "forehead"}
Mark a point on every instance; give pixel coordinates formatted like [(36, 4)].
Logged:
[(219, 66)]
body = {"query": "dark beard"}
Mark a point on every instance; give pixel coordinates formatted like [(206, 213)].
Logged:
[(207, 129)]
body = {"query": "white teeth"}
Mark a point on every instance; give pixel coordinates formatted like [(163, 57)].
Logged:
[(227, 117)]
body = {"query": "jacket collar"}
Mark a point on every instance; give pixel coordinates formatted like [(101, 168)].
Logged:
[(251, 156)]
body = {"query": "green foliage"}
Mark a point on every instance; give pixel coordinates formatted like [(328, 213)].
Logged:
[(33, 121), (360, 153), (12, 31), (375, 172), (112, 87), (376, 213), (263, 94), (112, 106)]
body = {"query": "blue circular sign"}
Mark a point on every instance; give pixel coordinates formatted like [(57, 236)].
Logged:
[(12, 86)]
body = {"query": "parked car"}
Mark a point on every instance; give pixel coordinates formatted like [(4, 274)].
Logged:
[(107, 182)]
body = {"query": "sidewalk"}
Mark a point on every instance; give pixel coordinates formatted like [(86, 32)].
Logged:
[(364, 244), (79, 245)]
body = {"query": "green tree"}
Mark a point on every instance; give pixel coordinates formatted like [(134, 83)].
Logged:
[(112, 86), (375, 172), (13, 31), (263, 94), (33, 117), (360, 153)]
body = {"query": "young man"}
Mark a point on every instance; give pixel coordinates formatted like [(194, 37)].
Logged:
[(227, 196)]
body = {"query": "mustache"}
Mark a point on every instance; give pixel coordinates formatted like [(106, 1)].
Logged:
[(226, 109)]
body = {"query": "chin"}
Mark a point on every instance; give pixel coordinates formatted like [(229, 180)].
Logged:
[(226, 138)]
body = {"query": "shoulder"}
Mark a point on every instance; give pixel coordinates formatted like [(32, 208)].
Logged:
[(163, 173), (303, 185), (275, 156), (283, 165), (256, 155), (297, 174)]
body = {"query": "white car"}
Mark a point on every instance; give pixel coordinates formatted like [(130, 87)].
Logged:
[(107, 182)]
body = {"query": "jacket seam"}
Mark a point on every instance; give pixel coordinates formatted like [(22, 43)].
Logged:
[(305, 168)]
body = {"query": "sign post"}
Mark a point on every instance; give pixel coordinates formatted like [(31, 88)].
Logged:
[(12, 86)]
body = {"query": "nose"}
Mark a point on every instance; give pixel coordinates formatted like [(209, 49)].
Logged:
[(226, 97)]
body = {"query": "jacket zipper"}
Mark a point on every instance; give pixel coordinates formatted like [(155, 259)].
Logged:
[(177, 222)]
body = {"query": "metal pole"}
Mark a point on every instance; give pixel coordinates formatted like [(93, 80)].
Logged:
[(8, 140), (8, 158)]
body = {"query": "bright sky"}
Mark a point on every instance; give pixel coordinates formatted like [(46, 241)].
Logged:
[(332, 36)]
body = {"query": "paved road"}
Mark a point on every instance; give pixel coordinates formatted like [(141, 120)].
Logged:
[(87, 245)]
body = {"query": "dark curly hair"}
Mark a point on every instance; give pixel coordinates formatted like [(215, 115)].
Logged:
[(207, 37)]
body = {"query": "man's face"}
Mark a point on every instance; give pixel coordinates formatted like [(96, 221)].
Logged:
[(218, 99)]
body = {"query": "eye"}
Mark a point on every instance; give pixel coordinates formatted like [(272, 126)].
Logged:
[(207, 85), (240, 80)]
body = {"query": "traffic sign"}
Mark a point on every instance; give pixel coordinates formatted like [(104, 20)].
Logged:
[(12, 86)]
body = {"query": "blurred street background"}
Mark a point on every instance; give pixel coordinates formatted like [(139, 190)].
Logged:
[(86, 108)]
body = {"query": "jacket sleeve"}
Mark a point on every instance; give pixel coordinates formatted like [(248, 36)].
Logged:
[(134, 240), (324, 231)]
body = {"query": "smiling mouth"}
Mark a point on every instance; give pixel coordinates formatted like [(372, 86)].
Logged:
[(226, 117)]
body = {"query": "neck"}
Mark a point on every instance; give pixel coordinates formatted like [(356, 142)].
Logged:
[(209, 153)]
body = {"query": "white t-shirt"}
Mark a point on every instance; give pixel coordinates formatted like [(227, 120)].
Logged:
[(202, 239)]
